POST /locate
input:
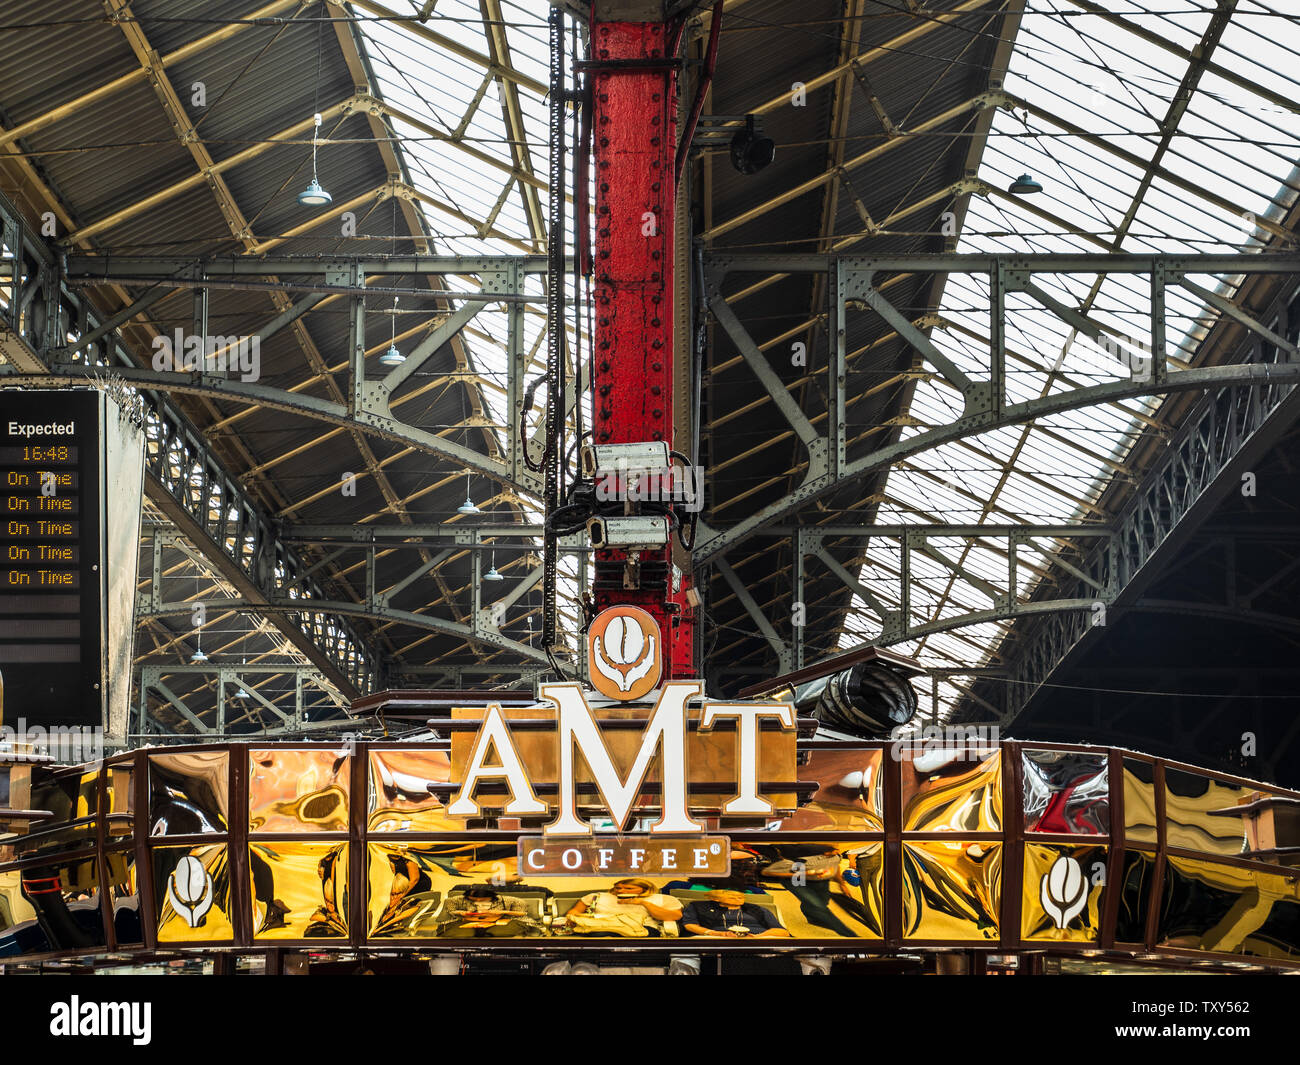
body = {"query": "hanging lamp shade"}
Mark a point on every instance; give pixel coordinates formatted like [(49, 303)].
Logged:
[(1024, 185), (314, 196), (468, 506), (392, 357)]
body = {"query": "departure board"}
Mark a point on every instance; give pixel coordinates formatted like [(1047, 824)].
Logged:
[(50, 557)]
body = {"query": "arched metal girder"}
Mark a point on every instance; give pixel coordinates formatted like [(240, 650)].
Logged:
[(853, 280), (483, 634), (371, 419), (365, 405), (909, 563)]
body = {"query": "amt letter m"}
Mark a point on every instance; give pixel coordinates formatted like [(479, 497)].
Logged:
[(577, 730)]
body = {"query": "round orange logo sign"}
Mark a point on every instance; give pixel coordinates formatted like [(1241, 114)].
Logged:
[(625, 651)]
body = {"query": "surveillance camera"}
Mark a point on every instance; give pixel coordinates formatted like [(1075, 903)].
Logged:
[(750, 150)]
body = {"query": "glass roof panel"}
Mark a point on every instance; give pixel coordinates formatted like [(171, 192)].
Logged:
[(1098, 96)]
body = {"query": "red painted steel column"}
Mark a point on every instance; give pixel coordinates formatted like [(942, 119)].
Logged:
[(634, 141)]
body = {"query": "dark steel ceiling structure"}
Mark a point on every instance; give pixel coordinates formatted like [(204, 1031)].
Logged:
[(871, 72), (149, 128)]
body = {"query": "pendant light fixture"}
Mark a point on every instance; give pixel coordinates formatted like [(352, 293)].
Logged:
[(243, 660), (492, 574), (198, 655), (1024, 185), (392, 357), (314, 195), (468, 506)]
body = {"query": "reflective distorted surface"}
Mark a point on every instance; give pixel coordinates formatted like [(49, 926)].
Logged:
[(1229, 909), (945, 791), (300, 890), (849, 796), (71, 797), (189, 793), (951, 890), (124, 897), (1139, 801), (1065, 791), (805, 890), (817, 874), (298, 790), (119, 786), (1062, 892), (50, 908), (1230, 819), (192, 893), (408, 791), (1135, 897)]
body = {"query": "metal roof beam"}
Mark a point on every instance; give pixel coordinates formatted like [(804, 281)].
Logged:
[(1286, 103), (178, 55), (978, 103), (496, 67), (1226, 433), (1109, 146), (369, 608), (241, 229), (513, 115), (990, 410), (205, 174), (927, 23), (180, 455)]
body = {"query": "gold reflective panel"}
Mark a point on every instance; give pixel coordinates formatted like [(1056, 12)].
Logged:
[(1205, 814), (300, 890), (1065, 791), (956, 791), (50, 908), (87, 795), (952, 890), (849, 795), (1229, 910), (298, 791), (192, 893), (121, 799), (15, 911), (1134, 897), (407, 791), (402, 899), (189, 793), (804, 889), (822, 888), (63, 793), (1062, 894), (1139, 801), (869, 864), (124, 894)]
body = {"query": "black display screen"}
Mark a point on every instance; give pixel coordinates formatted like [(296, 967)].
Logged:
[(50, 558)]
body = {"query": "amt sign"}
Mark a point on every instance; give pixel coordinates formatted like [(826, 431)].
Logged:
[(666, 734)]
